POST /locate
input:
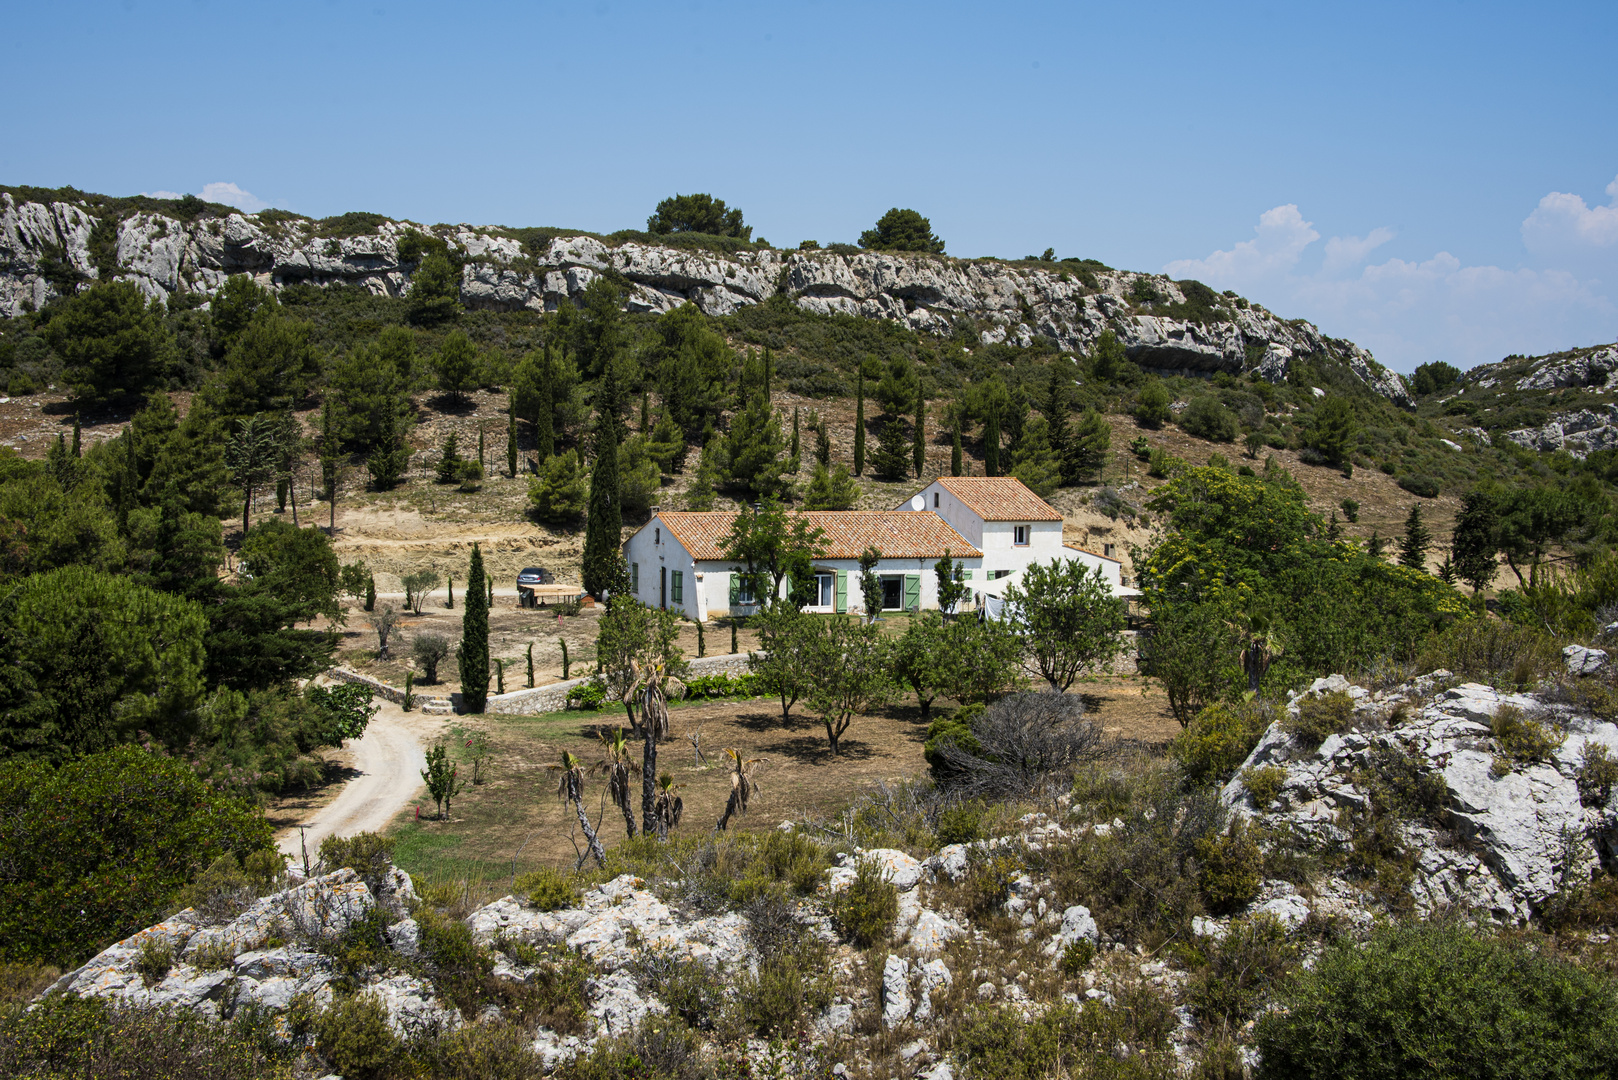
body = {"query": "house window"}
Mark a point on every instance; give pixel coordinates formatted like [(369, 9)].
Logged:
[(657, 536), (1109, 550), (825, 590), (744, 590), (1019, 535), (634, 577), (677, 587), (935, 500)]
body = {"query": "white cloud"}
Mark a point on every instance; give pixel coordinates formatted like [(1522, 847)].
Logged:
[(1343, 252), (1409, 312), (222, 192), (1282, 236), (1563, 221)]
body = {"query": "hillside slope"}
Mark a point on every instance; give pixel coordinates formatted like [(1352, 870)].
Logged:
[(53, 242)]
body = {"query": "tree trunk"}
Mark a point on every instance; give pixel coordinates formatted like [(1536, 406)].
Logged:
[(629, 817), (648, 784), (292, 493), (247, 505), (590, 834), (831, 737), (730, 808)]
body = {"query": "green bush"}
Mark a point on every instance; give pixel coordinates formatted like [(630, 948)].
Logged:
[(1214, 745), (956, 728), (723, 686), (653, 1051), (1319, 717), (865, 911), (1128, 1040), (102, 846), (1597, 776), (1264, 783), (1424, 486), (458, 965), (590, 695), (1242, 967), (1437, 1000), (960, 824), (368, 854), (1522, 739), (1207, 418), (70, 1037), (547, 888), (789, 988), (154, 960), (1229, 875), (1494, 652), (353, 1034)]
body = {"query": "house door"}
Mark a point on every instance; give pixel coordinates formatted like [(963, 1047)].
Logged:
[(662, 586), (892, 593)]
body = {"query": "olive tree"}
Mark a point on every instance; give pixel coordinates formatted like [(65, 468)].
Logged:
[(1070, 620)]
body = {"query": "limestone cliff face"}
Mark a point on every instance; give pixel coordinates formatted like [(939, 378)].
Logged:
[(163, 255)]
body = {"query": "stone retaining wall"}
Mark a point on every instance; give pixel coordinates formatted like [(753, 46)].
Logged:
[(553, 698), (385, 691)]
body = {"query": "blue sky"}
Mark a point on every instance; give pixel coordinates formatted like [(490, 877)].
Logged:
[(1432, 180)]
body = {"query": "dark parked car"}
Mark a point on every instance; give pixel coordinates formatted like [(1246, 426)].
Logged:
[(535, 575)]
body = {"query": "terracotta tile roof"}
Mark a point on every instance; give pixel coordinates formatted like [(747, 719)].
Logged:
[(898, 534), (998, 498)]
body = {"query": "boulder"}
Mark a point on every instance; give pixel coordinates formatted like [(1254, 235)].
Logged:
[(1580, 661), (896, 1001)]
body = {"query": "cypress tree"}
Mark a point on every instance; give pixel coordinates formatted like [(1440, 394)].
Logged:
[(474, 651), (545, 412), (511, 436), (482, 461), (530, 665), (769, 371), (955, 447), (991, 444), (796, 444), (918, 447), (645, 411), (76, 450), (1413, 548), (889, 463), (370, 593), (603, 529), (859, 424)]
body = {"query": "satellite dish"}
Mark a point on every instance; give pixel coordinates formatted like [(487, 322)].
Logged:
[(918, 503)]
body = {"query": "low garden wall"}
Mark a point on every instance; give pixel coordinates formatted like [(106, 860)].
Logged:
[(553, 698)]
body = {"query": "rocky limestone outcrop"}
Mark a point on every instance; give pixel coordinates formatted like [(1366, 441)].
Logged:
[(1579, 432), (164, 255), (1513, 832)]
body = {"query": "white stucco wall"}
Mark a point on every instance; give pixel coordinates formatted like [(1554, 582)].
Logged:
[(716, 582), (653, 550)]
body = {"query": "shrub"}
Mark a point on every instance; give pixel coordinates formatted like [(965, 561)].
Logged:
[(1431, 1000), (1229, 877), (458, 965), (429, 649), (1076, 956), (955, 729), (154, 960), (1491, 651), (368, 854), (1215, 744), (21, 982), (1207, 418), (1127, 1040), (788, 988), (590, 695), (100, 848), (1252, 958), (1424, 486), (664, 1051), (1597, 775), (1025, 743), (960, 824), (353, 1034), (1161, 463), (1522, 739), (866, 910), (1264, 783), (1319, 717), (489, 1050), (547, 888)]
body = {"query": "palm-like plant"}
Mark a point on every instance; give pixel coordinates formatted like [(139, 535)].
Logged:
[(668, 806), (618, 767), (654, 727), (742, 785), (570, 788), (1260, 644)]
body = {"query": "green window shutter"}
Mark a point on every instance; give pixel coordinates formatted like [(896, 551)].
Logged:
[(678, 589), (969, 575), (735, 588), (842, 592), (634, 577), (912, 592)]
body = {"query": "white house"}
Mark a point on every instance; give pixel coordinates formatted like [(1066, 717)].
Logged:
[(991, 526), (1011, 525)]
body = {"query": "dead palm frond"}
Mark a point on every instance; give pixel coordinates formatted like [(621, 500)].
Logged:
[(654, 706), (668, 806), (742, 785), (618, 767), (570, 788)]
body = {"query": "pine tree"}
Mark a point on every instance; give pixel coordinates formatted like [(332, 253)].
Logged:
[(603, 528), (918, 446), (1476, 539), (1334, 531), (991, 444), (1446, 571), (645, 411), (955, 445), (1413, 548), (1056, 425), (889, 463), (511, 437), (859, 425), (474, 652), (1375, 544), (1087, 446), (769, 372)]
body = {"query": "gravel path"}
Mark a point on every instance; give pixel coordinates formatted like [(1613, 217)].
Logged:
[(389, 758)]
